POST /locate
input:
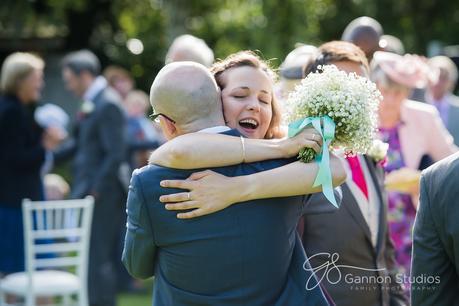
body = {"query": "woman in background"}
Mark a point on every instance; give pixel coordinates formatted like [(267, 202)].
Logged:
[(416, 138), (22, 154)]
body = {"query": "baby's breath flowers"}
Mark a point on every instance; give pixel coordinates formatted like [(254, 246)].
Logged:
[(351, 101)]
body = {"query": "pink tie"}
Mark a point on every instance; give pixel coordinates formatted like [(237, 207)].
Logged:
[(357, 174)]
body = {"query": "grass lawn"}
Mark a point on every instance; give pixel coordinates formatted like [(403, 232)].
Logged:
[(140, 299)]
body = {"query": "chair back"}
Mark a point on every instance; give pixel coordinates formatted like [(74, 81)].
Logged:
[(56, 235)]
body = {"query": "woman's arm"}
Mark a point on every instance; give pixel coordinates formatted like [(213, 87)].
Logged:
[(201, 150), (210, 192)]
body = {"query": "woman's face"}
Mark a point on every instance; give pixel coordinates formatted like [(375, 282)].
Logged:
[(392, 97), (29, 89), (247, 96)]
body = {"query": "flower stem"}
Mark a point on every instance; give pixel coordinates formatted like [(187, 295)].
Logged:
[(306, 155)]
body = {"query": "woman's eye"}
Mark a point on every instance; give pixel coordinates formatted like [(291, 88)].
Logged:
[(239, 96), (265, 99)]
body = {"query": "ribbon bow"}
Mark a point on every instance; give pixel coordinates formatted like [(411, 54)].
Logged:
[(327, 132)]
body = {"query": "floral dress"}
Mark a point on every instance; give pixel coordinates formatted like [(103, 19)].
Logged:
[(401, 211)]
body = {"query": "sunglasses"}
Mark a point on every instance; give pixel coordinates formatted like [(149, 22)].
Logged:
[(293, 73), (155, 117)]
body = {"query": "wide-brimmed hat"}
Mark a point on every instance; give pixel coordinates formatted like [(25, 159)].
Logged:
[(408, 70)]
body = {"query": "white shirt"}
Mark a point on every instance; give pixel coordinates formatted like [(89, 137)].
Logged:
[(96, 86), (368, 207), (215, 129)]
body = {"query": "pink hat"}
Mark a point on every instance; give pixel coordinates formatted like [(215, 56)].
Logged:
[(408, 70)]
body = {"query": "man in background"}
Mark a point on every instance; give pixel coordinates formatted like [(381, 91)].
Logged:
[(98, 149)]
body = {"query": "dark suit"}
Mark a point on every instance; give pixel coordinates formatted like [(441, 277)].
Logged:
[(435, 265), (248, 254), (98, 149), (346, 233)]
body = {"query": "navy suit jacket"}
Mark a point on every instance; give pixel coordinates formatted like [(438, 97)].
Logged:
[(247, 254), (98, 148)]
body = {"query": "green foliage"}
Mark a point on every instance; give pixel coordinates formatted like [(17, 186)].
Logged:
[(271, 26)]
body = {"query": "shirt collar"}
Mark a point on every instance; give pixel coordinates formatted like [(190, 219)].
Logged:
[(215, 129), (96, 86)]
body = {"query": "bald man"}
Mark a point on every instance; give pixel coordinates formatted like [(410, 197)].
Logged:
[(190, 48), (246, 254), (365, 32)]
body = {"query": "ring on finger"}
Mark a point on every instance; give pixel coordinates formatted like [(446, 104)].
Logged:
[(188, 196)]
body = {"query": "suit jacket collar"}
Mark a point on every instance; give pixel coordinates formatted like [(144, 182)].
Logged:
[(377, 174), (96, 87), (353, 207)]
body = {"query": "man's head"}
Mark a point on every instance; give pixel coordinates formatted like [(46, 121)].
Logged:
[(293, 68), (345, 55), (190, 48), (185, 98), (364, 32), (447, 76), (79, 69), (392, 44)]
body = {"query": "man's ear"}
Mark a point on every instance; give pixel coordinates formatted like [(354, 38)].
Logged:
[(169, 128)]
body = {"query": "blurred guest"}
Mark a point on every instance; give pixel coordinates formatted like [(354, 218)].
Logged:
[(99, 149), (416, 137), (292, 69), (362, 217), (51, 116), (365, 32), (56, 188), (23, 148), (392, 44), (140, 141), (190, 48), (440, 93), (120, 79), (142, 134)]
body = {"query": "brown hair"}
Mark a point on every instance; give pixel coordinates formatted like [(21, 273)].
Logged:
[(111, 73), (249, 58), (336, 51)]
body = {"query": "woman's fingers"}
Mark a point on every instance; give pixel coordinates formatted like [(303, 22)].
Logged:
[(313, 145), (193, 214), (175, 197), (199, 175), (181, 184), (182, 205)]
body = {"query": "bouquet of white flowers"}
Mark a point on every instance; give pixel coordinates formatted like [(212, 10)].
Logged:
[(350, 101)]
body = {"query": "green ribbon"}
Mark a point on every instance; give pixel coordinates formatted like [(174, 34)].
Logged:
[(327, 131)]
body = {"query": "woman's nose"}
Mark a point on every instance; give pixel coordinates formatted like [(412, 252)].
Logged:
[(253, 104)]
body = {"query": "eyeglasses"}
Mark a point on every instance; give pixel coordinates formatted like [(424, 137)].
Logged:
[(155, 117)]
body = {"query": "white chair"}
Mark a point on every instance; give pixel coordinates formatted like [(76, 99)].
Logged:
[(66, 227)]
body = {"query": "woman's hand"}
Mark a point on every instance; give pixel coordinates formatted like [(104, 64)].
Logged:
[(209, 192), (307, 138), (52, 137)]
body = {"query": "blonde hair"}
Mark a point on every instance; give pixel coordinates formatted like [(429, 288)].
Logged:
[(447, 65), (15, 68), (137, 97), (249, 58)]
